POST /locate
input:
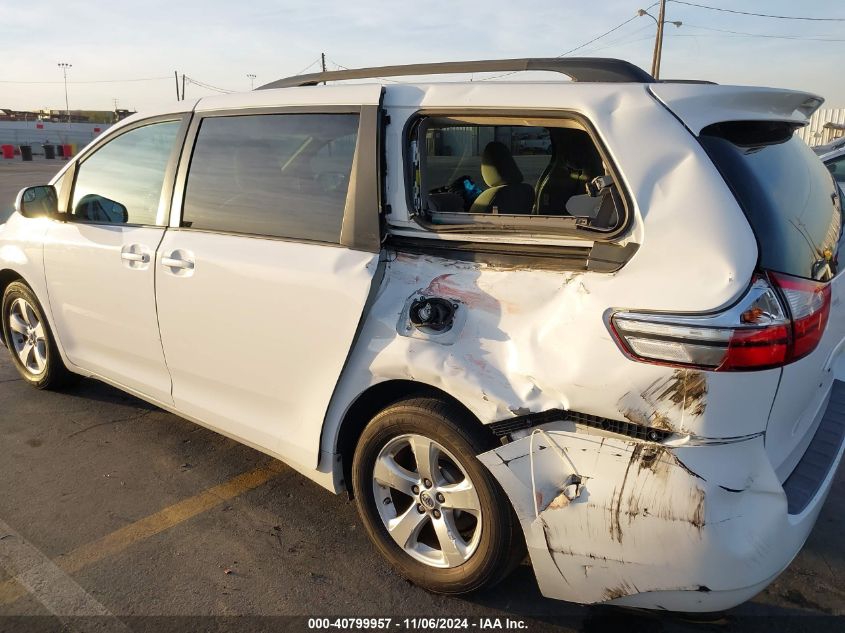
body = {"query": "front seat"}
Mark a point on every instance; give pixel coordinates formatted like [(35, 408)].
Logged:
[(507, 192), (575, 162)]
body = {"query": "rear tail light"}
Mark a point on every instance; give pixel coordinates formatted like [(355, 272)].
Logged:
[(809, 306), (780, 320)]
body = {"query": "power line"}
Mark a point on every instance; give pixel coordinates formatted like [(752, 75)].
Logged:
[(208, 86), (624, 39), (781, 37), (309, 66), (585, 44), (759, 15), (606, 33)]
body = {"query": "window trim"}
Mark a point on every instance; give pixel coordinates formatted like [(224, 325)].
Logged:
[(166, 195), (510, 224), (363, 208)]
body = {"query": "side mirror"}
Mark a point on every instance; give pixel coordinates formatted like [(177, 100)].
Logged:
[(40, 201), (96, 208)]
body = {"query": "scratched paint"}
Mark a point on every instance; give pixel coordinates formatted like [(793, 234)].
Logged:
[(650, 519)]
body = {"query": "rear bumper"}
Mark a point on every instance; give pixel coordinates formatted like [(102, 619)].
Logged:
[(687, 528)]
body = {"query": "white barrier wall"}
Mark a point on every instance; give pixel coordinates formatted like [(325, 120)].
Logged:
[(815, 133), (29, 133)]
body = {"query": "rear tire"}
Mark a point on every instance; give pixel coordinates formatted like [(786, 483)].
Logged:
[(445, 525), (30, 340)]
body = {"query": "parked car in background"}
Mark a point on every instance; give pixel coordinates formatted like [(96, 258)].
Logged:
[(834, 145), (624, 356), (835, 162)]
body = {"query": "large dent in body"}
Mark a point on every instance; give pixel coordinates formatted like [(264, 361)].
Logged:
[(531, 340), (499, 363)]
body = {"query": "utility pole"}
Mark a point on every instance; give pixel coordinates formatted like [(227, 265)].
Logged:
[(251, 78), (658, 40), (183, 86), (176, 77), (64, 66)]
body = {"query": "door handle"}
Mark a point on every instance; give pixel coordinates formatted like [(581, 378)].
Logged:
[(135, 257), (172, 262)]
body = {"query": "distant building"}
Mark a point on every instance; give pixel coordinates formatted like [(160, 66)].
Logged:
[(37, 128), (7, 114), (86, 116), (120, 114)]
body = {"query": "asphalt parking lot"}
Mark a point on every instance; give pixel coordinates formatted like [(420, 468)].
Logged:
[(16, 174), (115, 515)]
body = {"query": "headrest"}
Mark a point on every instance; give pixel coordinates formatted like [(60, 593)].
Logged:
[(498, 166)]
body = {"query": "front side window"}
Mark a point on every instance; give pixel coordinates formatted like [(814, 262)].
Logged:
[(121, 182), (277, 175), (511, 173)]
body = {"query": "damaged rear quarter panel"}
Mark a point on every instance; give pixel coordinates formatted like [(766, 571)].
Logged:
[(529, 340), (644, 519)]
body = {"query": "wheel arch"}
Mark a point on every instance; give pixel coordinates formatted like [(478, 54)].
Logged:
[(7, 276), (374, 399)]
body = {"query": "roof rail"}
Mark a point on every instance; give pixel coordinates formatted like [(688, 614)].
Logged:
[(577, 68)]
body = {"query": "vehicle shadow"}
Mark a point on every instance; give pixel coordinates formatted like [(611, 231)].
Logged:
[(519, 596), (92, 389)]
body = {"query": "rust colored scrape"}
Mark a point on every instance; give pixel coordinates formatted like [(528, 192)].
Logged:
[(620, 591), (616, 499), (685, 387), (697, 497), (659, 462)]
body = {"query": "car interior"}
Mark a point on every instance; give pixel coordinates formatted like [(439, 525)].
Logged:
[(542, 168)]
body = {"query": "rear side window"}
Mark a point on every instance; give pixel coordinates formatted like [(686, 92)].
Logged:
[(278, 175), (536, 174), (787, 194)]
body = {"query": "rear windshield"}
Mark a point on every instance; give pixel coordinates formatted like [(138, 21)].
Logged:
[(787, 194)]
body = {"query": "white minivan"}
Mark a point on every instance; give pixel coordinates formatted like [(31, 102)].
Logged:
[(599, 321)]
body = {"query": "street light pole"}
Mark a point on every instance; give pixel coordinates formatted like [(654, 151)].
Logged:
[(658, 40), (64, 66), (251, 81)]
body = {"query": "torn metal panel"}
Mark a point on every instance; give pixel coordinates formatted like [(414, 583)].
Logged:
[(644, 517)]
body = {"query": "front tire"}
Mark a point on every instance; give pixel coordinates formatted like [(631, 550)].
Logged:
[(429, 506), (30, 340)]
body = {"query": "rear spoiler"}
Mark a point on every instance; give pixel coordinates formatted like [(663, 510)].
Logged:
[(700, 105)]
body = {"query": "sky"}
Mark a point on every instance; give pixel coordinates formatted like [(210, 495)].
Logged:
[(128, 51)]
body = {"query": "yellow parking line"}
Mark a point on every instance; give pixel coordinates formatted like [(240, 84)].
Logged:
[(125, 537)]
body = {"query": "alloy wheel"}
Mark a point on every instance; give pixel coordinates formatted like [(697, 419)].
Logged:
[(426, 501), (28, 337)]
